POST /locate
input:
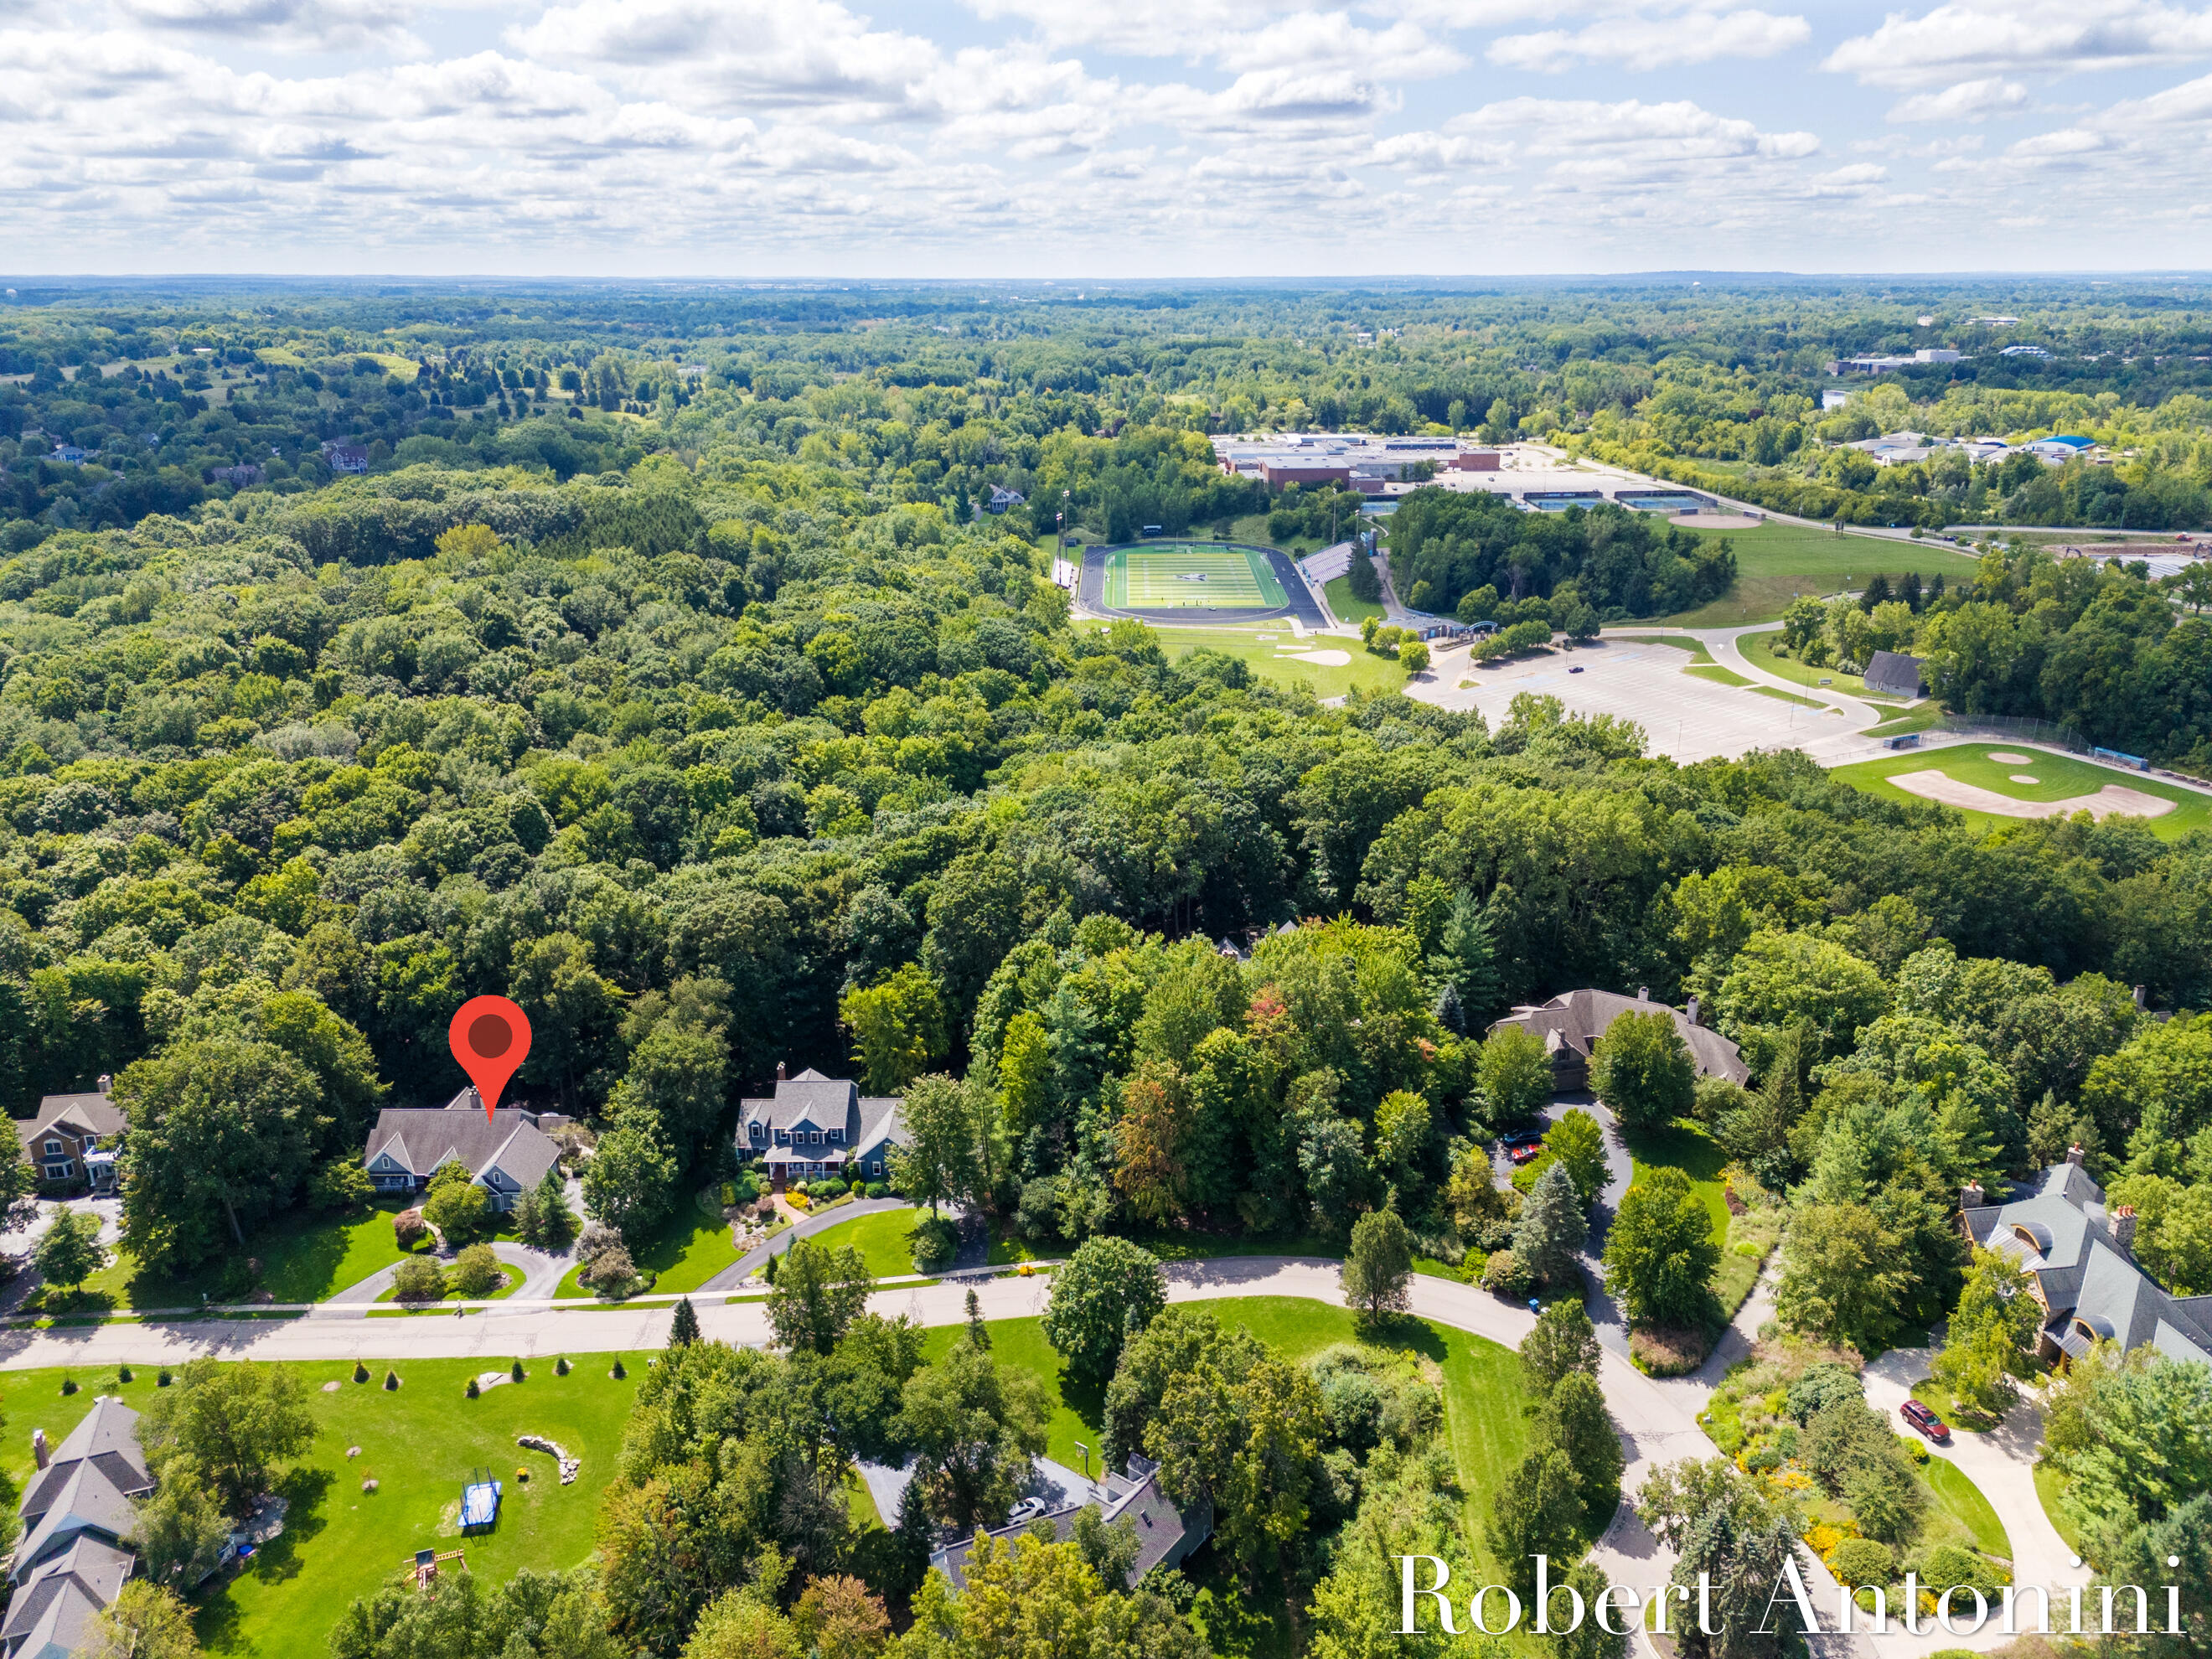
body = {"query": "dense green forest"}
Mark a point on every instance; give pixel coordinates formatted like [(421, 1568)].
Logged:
[(701, 713)]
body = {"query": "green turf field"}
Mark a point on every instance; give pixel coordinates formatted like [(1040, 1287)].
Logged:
[(2058, 778), (1190, 575)]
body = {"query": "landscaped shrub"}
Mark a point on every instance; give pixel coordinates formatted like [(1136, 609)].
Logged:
[(857, 1188), (877, 1189), (390, 1380), (409, 1228), (1503, 1274), (360, 1372), (561, 1366), (1954, 1564), (617, 1373), (934, 1242), (418, 1280), (122, 1373), (515, 1371), (611, 1272), (473, 1391), (1858, 1561), (476, 1272)]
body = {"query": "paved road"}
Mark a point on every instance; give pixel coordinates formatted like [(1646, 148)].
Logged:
[(1657, 1421)]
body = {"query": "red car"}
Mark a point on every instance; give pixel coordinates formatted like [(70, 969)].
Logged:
[(1924, 1421), (1527, 1152)]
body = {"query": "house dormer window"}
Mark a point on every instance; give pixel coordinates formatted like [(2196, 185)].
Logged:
[(782, 1138), (54, 1148)]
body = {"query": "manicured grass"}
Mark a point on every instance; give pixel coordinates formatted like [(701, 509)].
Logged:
[(1271, 650), (2050, 1487), (880, 1238), (2060, 777), (418, 1443), (687, 1252), (1178, 575), (304, 1256), (1481, 1383), (1185, 1246), (1761, 648), (1775, 563), (1962, 1500), (1684, 1145), (1344, 607), (1914, 720), (1699, 657), (1720, 675), (510, 1281), (1779, 695)]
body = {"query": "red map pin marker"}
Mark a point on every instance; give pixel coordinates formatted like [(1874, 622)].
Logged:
[(490, 1035)]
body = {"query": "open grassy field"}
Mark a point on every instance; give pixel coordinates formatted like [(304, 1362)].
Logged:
[(304, 1257), (1273, 653), (1775, 563), (687, 1252), (418, 1443), (1763, 649), (2058, 778), (1189, 575), (1344, 607)]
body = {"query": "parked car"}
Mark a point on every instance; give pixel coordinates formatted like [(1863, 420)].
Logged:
[(1527, 1153), (1576, 669), (1924, 1421), (1521, 1138)]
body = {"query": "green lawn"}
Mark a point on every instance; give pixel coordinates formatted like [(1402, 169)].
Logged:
[(880, 1238), (1914, 720), (1780, 696), (2060, 777), (1344, 607), (1270, 650), (2050, 1487), (1720, 675), (1699, 657), (304, 1258), (1174, 575), (418, 1443), (1684, 1146), (1775, 563), (1962, 1500), (687, 1252), (510, 1281), (1481, 1386), (1761, 648)]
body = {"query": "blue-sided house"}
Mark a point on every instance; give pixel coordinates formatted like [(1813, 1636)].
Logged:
[(506, 1154), (817, 1128)]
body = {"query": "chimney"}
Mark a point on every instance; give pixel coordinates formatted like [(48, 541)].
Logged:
[(1693, 1010), (2142, 1001), (1643, 994), (2124, 1228), (2073, 1154), (1972, 1197), (781, 1075), (107, 1083), (39, 1453)]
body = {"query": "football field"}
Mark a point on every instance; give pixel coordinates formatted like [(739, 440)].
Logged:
[(1184, 575)]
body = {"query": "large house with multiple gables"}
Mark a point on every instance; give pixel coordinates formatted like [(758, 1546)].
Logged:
[(1571, 1022), (71, 1141), (2080, 1260), (80, 1506), (506, 1154), (817, 1128)]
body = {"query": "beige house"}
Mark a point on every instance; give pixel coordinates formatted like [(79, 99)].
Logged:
[(1571, 1022)]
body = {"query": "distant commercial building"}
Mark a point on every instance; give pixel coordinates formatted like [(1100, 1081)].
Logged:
[(2025, 351), (1357, 460), (1872, 365)]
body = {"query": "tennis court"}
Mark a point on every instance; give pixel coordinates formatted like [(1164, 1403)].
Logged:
[(1188, 576)]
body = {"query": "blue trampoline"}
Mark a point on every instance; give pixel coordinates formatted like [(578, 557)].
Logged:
[(480, 1501)]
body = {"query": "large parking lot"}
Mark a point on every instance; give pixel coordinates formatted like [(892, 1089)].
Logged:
[(1685, 717)]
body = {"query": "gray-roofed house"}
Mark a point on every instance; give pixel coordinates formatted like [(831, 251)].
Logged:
[(2078, 1258), (1571, 1022), (1165, 1535), (507, 1154), (1894, 673), (75, 1514), (816, 1127), (64, 1141)]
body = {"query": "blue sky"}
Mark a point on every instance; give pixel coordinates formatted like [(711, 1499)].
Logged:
[(1173, 138)]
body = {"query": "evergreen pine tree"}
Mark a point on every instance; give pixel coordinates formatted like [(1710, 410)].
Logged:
[(914, 1537), (683, 1330), (1552, 1228), (1470, 959), (979, 1334)]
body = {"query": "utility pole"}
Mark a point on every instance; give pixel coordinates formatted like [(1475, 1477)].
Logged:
[(1060, 541)]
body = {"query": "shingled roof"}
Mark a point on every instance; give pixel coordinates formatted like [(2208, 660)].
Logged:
[(1572, 1022), (2089, 1284), (1164, 1534), (49, 1616), (420, 1139)]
